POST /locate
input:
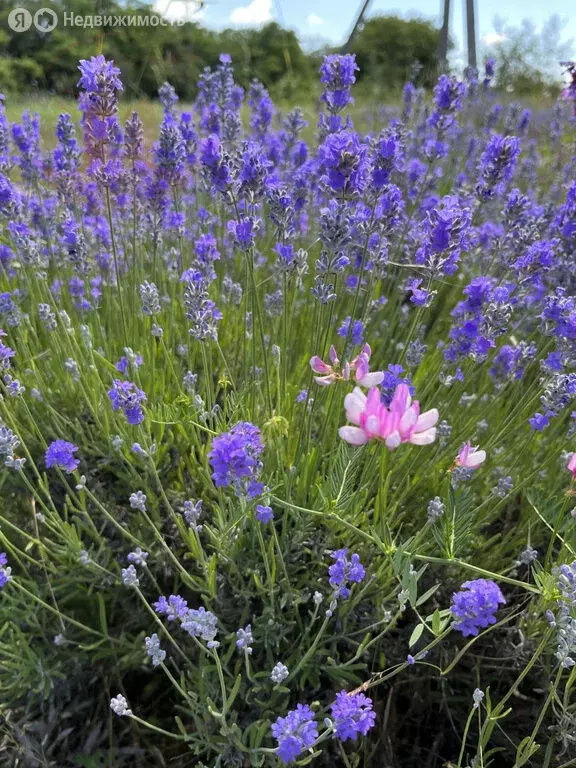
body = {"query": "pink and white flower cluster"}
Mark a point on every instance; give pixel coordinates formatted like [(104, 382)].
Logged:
[(470, 458), (359, 368), (400, 422)]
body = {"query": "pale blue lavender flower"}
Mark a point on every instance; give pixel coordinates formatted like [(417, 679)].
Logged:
[(157, 655), (138, 501), (199, 622), (119, 706), (435, 509), (244, 639), (138, 557), (192, 511), (279, 673), (477, 697), (130, 576)]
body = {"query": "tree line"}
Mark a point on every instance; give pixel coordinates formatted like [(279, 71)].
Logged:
[(151, 53)]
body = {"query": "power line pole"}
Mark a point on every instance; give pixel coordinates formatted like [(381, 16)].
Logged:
[(471, 33), (357, 25), (444, 34)]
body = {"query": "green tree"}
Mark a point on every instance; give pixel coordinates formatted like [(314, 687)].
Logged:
[(527, 58), (147, 55), (388, 47)]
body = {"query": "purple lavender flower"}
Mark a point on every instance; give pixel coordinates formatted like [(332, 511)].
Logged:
[(295, 732), (244, 639), (388, 151), (343, 571), (345, 162), (126, 396), (5, 570), (253, 170), (337, 76), (262, 108), (352, 714), (201, 311), (216, 165), (244, 232), (449, 94), (235, 458), (169, 153), (100, 77), (66, 157), (101, 84), (356, 333), (6, 353), (473, 608), (392, 378), (60, 454), (497, 165), (26, 136), (133, 137), (264, 513), (173, 608), (445, 235), (168, 97)]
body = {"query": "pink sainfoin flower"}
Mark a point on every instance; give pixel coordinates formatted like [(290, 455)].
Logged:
[(400, 422), (571, 466), (469, 458), (359, 368)]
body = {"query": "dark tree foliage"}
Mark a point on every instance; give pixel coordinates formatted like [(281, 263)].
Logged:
[(148, 55), (388, 47)]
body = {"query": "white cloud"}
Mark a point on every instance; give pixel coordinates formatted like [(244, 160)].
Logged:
[(314, 20), (256, 12), (494, 38), (176, 10)]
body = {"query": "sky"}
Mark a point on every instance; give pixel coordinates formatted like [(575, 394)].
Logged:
[(329, 21)]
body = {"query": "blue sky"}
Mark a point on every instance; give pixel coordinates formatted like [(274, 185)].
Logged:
[(330, 20)]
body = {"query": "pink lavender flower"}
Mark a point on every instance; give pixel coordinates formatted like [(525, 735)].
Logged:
[(470, 458), (352, 714), (359, 368), (60, 454), (571, 466), (400, 422)]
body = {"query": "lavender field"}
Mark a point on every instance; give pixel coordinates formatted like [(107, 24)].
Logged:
[(287, 428)]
